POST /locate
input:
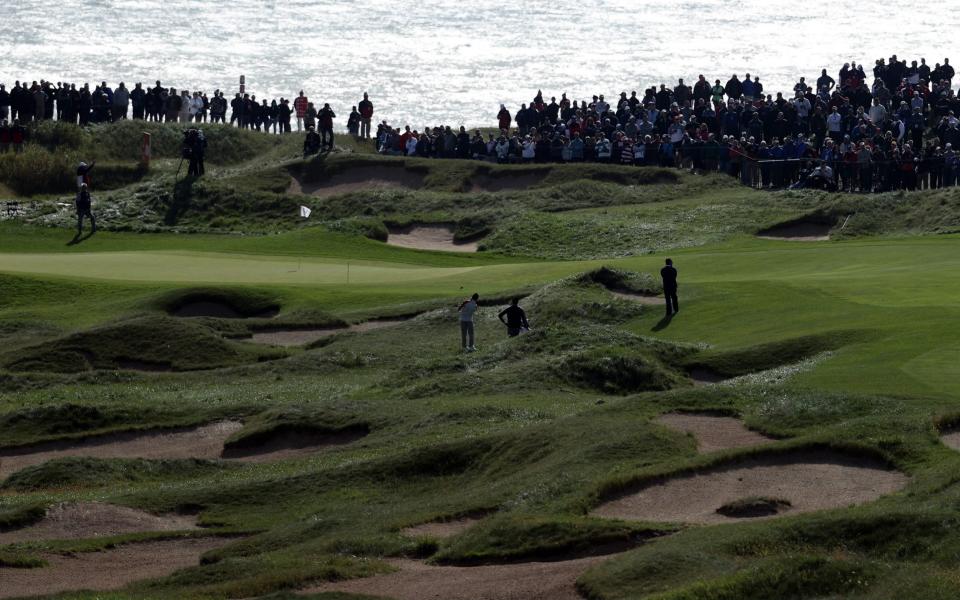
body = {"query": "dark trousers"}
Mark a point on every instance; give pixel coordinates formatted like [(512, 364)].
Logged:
[(673, 305), (326, 137), (85, 212), (466, 334)]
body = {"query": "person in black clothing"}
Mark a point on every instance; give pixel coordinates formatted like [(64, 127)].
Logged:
[(516, 319), (194, 148), (669, 276), (83, 210), (312, 143)]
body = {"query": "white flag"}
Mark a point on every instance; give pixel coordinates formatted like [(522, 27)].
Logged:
[(305, 212)]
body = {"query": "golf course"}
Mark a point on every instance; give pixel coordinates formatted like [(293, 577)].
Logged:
[(213, 397)]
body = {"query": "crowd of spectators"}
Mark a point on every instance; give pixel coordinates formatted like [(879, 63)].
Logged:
[(900, 132)]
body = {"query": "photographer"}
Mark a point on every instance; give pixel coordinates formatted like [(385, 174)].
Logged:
[(193, 149)]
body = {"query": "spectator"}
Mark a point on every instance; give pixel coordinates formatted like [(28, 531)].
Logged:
[(300, 104), (365, 108)]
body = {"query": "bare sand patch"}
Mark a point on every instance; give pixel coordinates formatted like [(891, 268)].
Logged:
[(197, 442), (809, 480), (359, 179), (802, 231), (638, 298), (429, 237), (291, 444), (523, 581), (84, 520), (107, 570), (951, 439), (506, 181), (441, 529), (712, 432), (302, 337)]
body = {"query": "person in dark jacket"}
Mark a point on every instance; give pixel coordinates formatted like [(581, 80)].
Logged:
[(312, 142), (516, 319), (325, 118), (669, 276), (83, 210)]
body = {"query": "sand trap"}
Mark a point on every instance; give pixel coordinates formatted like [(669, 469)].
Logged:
[(951, 439), (701, 377), (808, 480), (107, 570), (220, 310), (638, 298), (199, 442), (291, 444), (302, 337), (441, 529), (359, 179), (506, 181), (83, 520), (798, 232), (713, 433), (429, 237), (419, 581)]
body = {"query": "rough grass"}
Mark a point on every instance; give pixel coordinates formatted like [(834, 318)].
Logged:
[(83, 472)]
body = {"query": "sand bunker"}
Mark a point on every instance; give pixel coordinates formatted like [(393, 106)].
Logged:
[(506, 181), (808, 480), (798, 232), (107, 570), (638, 298), (702, 377), (359, 179), (441, 529), (199, 442), (83, 520), (419, 581), (429, 237), (713, 433), (302, 337), (220, 310), (291, 444), (951, 439)]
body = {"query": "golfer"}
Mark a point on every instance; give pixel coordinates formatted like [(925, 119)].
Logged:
[(83, 209), (467, 309), (669, 276), (516, 319)]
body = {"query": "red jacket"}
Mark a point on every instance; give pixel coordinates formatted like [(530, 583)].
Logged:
[(300, 105)]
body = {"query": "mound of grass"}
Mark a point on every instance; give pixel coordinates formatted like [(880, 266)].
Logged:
[(733, 363), (21, 516), (237, 302), (515, 537), (15, 560), (618, 370), (79, 472), (754, 506), (144, 344), (290, 422), (621, 280)]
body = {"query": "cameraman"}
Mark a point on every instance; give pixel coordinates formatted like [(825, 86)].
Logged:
[(194, 148)]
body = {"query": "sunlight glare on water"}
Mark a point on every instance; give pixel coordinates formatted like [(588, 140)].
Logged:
[(451, 61)]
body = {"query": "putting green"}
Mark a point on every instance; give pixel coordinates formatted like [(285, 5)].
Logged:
[(200, 267)]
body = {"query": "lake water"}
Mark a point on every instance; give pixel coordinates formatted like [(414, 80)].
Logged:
[(454, 62)]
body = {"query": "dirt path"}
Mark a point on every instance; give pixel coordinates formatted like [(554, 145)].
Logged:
[(441, 529), (83, 520), (107, 570), (419, 581), (359, 179), (713, 433), (200, 442), (429, 237), (809, 480), (302, 337)]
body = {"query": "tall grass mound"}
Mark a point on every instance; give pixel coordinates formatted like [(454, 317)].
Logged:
[(618, 370), (82, 472), (623, 281), (228, 303), (294, 425), (143, 344)]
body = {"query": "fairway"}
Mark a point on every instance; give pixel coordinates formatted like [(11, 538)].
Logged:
[(211, 399)]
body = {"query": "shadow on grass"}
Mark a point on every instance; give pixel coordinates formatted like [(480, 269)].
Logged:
[(79, 238), (663, 323)]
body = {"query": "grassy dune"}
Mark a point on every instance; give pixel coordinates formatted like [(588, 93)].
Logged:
[(846, 346)]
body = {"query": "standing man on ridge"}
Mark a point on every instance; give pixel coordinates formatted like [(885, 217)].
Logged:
[(366, 114), (300, 106), (325, 117), (669, 276)]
